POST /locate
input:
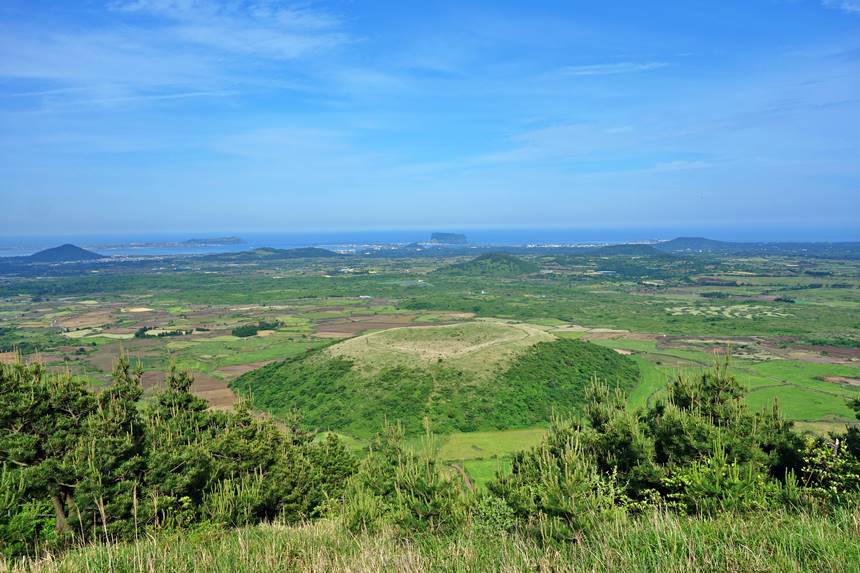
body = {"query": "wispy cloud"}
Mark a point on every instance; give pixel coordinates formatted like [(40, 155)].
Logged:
[(269, 29), (848, 6), (151, 50), (108, 63), (680, 165), (612, 69)]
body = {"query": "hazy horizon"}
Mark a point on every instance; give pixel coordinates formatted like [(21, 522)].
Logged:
[(154, 116), (120, 243)]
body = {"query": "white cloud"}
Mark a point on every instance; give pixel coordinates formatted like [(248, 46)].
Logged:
[(106, 62), (183, 49), (269, 29), (848, 6)]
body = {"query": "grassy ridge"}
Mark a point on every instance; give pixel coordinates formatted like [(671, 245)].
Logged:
[(773, 542), (493, 264), (330, 394)]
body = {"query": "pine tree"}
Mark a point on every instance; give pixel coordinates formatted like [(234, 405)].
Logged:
[(41, 422), (111, 457)]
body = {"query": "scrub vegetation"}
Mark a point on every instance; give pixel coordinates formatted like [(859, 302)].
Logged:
[(101, 481)]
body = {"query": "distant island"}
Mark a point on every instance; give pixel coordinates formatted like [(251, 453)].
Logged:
[(448, 238), (63, 254), (212, 242)]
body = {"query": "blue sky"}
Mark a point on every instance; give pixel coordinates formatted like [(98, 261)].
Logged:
[(172, 115)]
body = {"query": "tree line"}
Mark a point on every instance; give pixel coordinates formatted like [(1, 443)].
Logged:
[(81, 466)]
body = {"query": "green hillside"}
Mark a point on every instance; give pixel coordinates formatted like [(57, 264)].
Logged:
[(634, 250), (494, 264), (517, 382)]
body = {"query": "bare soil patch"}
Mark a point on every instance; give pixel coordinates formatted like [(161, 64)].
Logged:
[(334, 334), (783, 348), (842, 380), (211, 389), (119, 331), (87, 319), (8, 357), (43, 358), (350, 326), (236, 370), (152, 379), (214, 391), (106, 356)]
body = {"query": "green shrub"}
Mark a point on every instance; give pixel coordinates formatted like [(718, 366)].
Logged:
[(716, 484), (492, 517), (235, 502), (830, 472), (426, 501), (24, 525), (247, 330)]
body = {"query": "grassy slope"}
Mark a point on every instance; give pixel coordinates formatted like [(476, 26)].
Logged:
[(338, 393), (493, 264), (657, 542)]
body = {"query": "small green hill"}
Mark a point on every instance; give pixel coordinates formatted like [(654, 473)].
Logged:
[(299, 253), (457, 378), (629, 251), (63, 254), (493, 264)]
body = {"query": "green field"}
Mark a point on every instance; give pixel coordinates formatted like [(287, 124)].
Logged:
[(518, 302), (485, 354)]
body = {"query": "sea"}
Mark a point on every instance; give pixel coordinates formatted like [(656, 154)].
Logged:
[(143, 244)]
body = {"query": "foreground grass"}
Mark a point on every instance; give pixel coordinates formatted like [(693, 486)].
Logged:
[(658, 542)]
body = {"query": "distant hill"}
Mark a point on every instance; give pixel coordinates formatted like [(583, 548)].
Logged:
[(448, 238), (466, 377), (269, 253), (629, 251), (493, 264), (700, 245), (63, 254), (694, 244)]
